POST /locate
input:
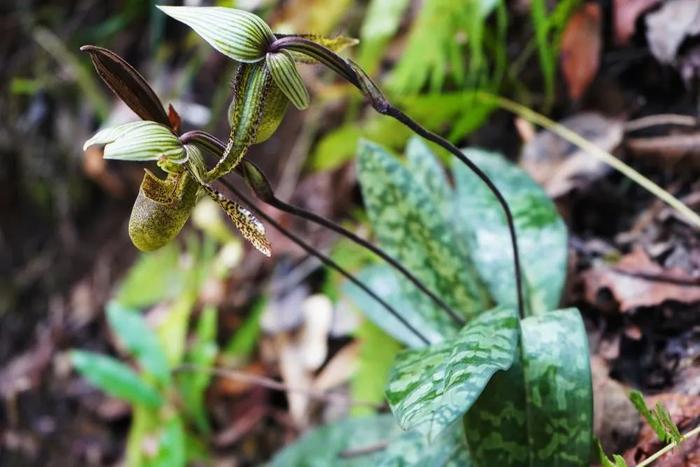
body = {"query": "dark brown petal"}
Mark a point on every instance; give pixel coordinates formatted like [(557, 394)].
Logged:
[(128, 84)]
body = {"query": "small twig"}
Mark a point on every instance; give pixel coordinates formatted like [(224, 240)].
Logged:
[(270, 383), (660, 119), (595, 151), (668, 448)]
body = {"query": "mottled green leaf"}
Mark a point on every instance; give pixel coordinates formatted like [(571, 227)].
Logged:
[(382, 280), (428, 172), (431, 388), (412, 448), (115, 378), (237, 34), (538, 413), (541, 232), (139, 141), (139, 340), (373, 441), (330, 444), (411, 228), (287, 78)]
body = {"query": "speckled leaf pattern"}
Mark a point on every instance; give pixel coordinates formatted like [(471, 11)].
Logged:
[(551, 424), (323, 446), (382, 280), (410, 227), (429, 389), (413, 449), (425, 167), (541, 232)]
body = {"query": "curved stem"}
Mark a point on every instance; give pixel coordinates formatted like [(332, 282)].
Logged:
[(323, 258), (320, 220), (357, 77), (394, 112), (265, 194), (695, 431)]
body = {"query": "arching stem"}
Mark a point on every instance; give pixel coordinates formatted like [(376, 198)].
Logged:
[(263, 190), (430, 136), (320, 220), (323, 258), (358, 78)]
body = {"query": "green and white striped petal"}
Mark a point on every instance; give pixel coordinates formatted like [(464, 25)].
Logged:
[(287, 78), (237, 34), (139, 141)]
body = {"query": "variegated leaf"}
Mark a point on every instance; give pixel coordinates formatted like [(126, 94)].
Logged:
[(331, 444), (431, 388), (538, 413), (237, 34), (428, 172), (286, 76), (373, 441), (411, 228), (413, 448), (541, 232), (249, 226), (140, 141), (382, 280)]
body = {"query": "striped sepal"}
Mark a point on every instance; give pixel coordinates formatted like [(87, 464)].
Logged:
[(286, 76), (317, 52), (251, 228), (235, 33), (140, 141)]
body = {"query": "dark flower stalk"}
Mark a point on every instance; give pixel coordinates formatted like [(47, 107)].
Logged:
[(260, 185), (323, 258), (358, 78)]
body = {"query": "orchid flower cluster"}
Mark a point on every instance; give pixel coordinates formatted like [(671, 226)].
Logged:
[(266, 81), (264, 84)]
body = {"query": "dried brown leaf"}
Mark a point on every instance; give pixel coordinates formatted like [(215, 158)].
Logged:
[(637, 281), (580, 49)]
